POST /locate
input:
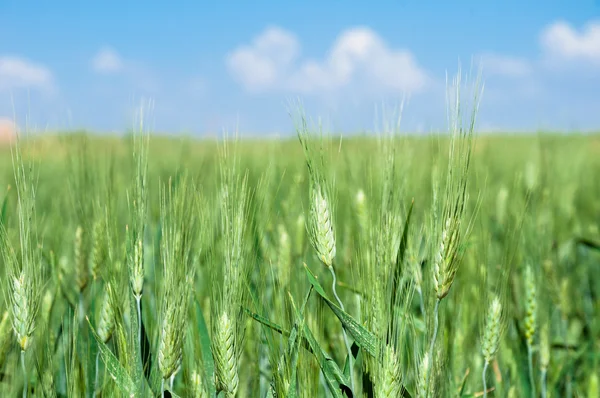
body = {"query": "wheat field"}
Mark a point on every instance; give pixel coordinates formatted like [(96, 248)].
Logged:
[(449, 265)]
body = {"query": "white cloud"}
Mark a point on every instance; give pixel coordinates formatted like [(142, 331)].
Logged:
[(107, 60), (358, 57), (264, 63), (562, 41), (503, 65), (17, 72)]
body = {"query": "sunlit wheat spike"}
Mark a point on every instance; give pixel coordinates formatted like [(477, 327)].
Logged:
[(320, 229), (445, 263), (22, 317), (225, 356)]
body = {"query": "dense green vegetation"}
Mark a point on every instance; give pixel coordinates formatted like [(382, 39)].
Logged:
[(137, 265)]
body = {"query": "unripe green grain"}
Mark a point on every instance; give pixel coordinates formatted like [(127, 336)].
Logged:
[(423, 379), (98, 254), (106, 321), (530, 306), (22, 318), (491, 335), (137, 269), (389, 384), (197, 386), (530, 321), (321, 231), (5, 337), (224, 351), (81, 267)]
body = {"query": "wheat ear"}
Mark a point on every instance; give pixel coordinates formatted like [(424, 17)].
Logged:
[(491, 337), (530, 321), (225, 356), (389, 384)]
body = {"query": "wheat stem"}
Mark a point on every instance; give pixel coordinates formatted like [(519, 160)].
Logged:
[(530, 365), (24, 374), (81, 309), (543, 383), (485, 366), (97, 374), (162, 388), (346, 342), (435, 328), (138, 301)]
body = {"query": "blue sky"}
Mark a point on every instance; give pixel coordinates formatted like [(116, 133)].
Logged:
[(211, 65)]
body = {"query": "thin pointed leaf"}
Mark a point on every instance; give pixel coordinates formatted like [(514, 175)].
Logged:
[(590, 244), (365, 339), (261, 319), (114, 367), (277, 328), (355, 350), (396, 277), (461, 389), (3, 210), (334, 378)]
